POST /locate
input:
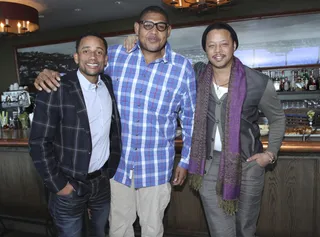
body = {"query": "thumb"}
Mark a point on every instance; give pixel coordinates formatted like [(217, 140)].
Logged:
[(251, 158)]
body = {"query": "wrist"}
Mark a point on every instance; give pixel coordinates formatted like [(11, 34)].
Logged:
[(272, 157)]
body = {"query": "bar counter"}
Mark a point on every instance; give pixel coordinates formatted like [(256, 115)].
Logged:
[(290, 203), (13, 138), (19, 138)]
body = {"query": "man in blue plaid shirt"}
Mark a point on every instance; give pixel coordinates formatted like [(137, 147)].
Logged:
[(153, 86)]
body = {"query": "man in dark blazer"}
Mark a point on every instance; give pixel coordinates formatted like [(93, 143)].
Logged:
[(75, 141)]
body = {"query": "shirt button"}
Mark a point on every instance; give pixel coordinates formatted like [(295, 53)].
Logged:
[(138, 121), (137, 134), (139, 105), (140, 91), (135, 149), (217, 121)]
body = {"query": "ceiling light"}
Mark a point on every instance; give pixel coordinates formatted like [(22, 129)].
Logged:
[(16, 19), (197, 5)]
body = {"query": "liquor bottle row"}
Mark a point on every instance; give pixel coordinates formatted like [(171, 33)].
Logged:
[(295, 80)]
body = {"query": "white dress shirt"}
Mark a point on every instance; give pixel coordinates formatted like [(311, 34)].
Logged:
[(99, 109)]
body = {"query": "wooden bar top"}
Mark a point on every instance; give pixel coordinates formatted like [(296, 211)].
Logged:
[(18, 138), (296, 146), (13, 138)]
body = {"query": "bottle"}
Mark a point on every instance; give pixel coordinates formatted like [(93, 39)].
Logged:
[(292, 81), (306, 80), (16, 123), (281, 84), (286, 85), (298, 80), (276, 81), (312, 86), (318, 81)]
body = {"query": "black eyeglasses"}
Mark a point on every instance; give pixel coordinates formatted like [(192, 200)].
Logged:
[(148, 25)]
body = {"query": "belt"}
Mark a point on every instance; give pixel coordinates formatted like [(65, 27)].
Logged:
[(93, 174)]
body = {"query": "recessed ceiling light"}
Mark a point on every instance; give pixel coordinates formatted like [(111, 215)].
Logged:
[(117, 2), (77, 9)]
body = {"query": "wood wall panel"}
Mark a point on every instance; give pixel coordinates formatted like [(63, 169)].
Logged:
[(21, 190), (290, 203), (288, 199), (317, 200), (184, 202)]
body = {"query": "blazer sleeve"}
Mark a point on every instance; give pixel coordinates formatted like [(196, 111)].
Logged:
[(41, 141)]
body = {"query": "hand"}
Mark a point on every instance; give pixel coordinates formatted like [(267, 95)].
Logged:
[(129, 42), (262, 159), (46, 80), (89, 213), (66, 190), (179, 176)]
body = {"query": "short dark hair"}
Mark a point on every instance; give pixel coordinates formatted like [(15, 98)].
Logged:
[(155, 9), (95, 34), (219, 26)]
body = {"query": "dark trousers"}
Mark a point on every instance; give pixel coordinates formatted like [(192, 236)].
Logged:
[(68, 211)]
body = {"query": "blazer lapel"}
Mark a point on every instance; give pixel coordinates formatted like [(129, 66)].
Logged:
[(77, 98)]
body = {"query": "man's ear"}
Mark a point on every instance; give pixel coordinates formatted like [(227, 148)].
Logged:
[(234, 46), (136, 28), (169, 31), (106, 60), (75, 57)]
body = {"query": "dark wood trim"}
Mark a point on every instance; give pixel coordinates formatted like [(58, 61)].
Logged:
[(246, 18), (184, 25), (288, 67)]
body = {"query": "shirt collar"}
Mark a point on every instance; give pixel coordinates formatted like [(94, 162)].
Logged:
[(167, 58), (87, 85)]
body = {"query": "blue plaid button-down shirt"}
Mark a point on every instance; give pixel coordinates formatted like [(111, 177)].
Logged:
[(150, 98)]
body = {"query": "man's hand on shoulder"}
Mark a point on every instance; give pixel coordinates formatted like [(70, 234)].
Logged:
[(47, 80), (129, 42)]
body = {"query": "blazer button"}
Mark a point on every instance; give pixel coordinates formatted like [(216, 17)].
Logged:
[(89, 153)]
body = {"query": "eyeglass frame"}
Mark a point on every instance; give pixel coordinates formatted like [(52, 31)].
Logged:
[(155, 24)]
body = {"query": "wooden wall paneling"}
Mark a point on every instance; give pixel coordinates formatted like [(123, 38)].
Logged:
[(288, 199), (21, 190), (185, 213), (317, 200)]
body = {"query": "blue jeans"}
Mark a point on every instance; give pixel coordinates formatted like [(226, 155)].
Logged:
[(68, 211)]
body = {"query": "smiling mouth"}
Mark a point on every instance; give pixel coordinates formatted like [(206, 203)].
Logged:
[(92, 65), (218, 58), (153, 39)]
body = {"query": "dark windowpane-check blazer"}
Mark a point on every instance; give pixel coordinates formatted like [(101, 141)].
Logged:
[(60, 140)]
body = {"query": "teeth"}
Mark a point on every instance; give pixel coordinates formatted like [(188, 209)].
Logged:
[(92, 64)]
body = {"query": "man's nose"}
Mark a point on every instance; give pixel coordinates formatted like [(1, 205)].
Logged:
[(92, 54), (217, 49), (154, 29)]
